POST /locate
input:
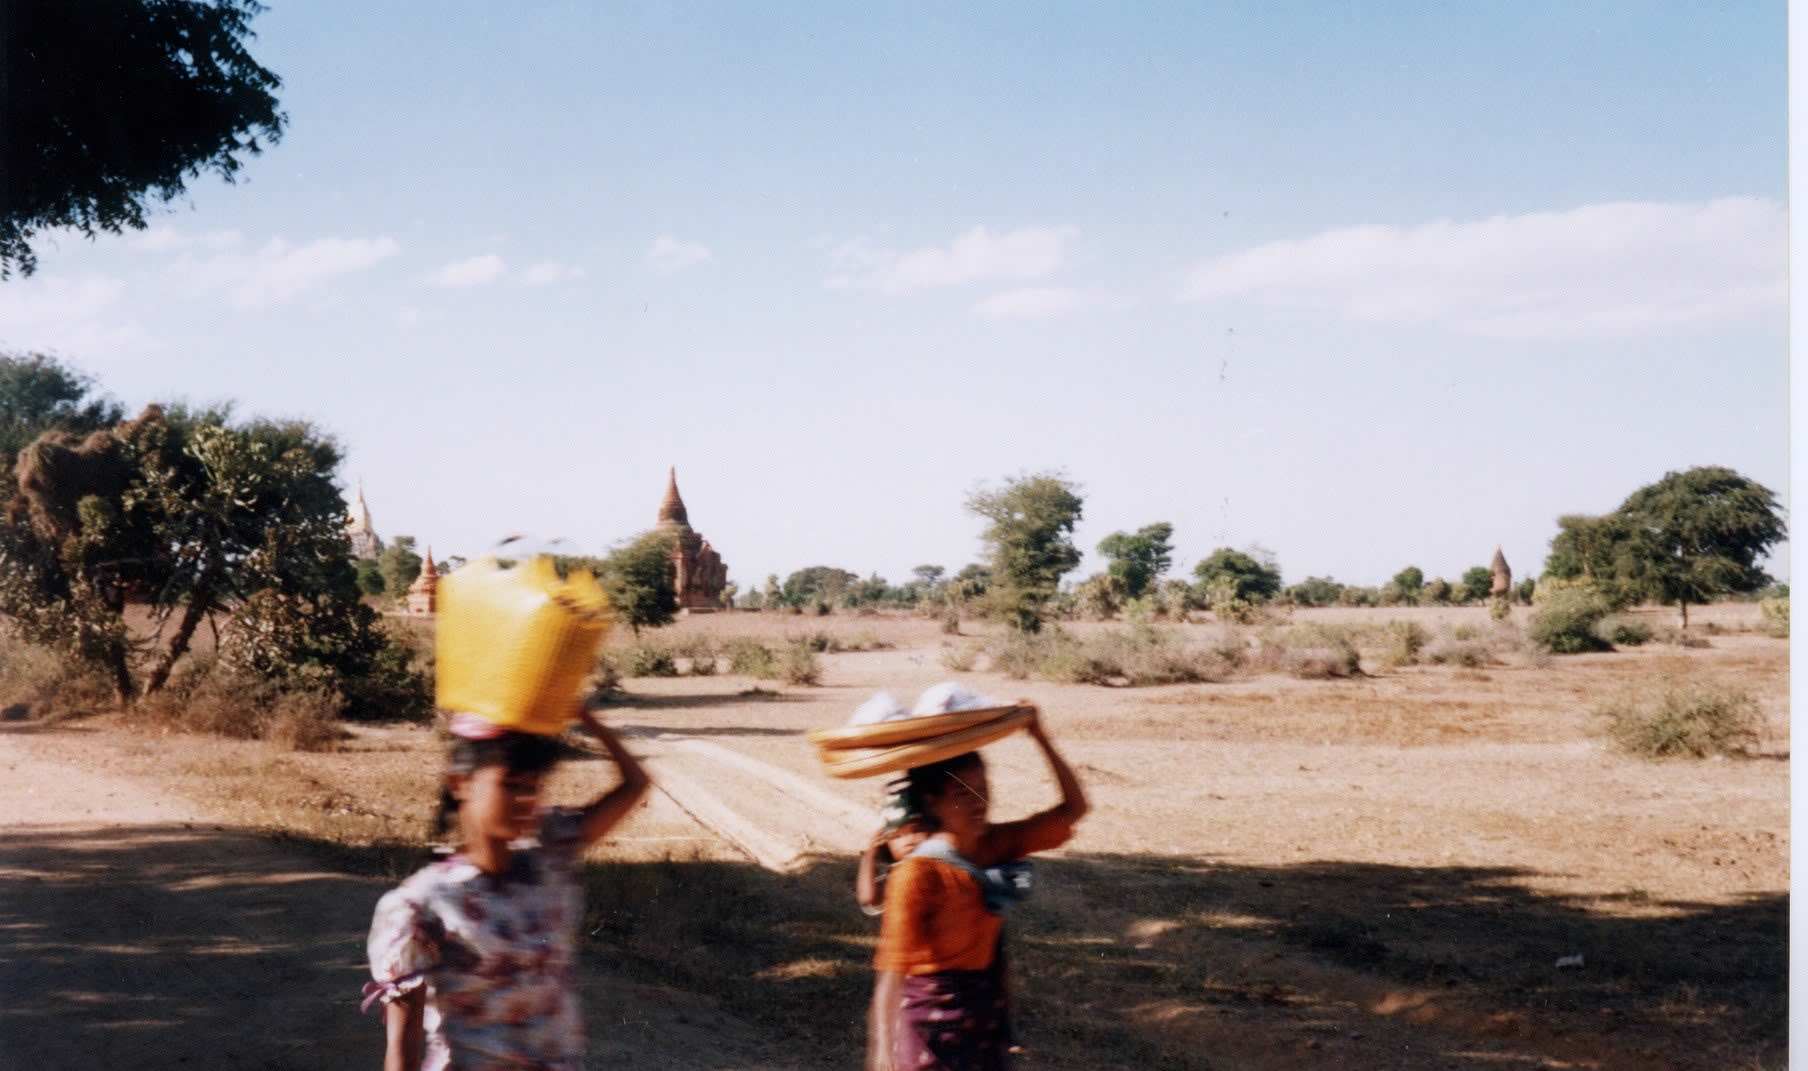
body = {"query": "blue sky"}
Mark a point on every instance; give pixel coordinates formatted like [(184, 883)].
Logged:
[(1367, 285)]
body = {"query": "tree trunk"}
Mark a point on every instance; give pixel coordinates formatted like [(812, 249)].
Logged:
[(200, 600), (118, 666), (1683, 604)]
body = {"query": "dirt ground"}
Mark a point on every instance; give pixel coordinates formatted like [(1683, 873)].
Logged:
[(1378, 872)]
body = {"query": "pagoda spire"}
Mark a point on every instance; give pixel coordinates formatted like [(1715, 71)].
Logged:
[(671, 507)]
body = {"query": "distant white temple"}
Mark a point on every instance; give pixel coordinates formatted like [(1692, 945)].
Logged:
[(366, 543)]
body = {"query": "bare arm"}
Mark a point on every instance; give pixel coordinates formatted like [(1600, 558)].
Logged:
[(867, 889), (608, 810), (1073, 805), (402, 1019)]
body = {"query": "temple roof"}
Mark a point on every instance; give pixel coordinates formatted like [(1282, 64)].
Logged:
[(1499, 564), (671, 507)]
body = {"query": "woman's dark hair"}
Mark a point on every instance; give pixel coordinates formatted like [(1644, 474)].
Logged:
[(923, 783), (515, 752)]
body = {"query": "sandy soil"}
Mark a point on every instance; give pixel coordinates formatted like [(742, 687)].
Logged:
[(1379, 872)]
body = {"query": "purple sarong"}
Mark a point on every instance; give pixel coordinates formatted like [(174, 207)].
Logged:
[(953, 1021)]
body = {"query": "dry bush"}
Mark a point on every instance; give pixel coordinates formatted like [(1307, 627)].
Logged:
[(44, 684), (305, 721), (605, 676), (1679, 637), (1775, 616), (960, 657), (1450, 651), (1136, 657), (1697, 721), (1310, 652), (206, 697), (1405, 640)]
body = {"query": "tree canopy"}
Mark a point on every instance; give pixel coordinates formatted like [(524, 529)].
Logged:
[(1233, 574), (38, 394), (1139, 559), (641, 580), (109, 105), (1030, 538)]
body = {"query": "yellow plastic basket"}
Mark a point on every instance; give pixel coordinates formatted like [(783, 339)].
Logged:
[(515, 645)]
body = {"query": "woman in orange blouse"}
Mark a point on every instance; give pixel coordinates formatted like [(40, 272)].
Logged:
[(938, 958)]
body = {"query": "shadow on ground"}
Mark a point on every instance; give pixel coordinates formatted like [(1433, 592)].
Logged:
[(170, 946)]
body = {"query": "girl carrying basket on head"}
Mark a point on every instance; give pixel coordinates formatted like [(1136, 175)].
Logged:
[(940, 989), (474, 957)]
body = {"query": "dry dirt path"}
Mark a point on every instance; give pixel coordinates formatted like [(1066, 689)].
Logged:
[(134, 933)]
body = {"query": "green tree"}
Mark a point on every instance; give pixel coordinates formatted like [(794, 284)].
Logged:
[(1030, 534), (1239, 576), (642, 581), (38, 394), (772, 596), (817, 583), (1139, 559), (200, 517), (370, 576), (1315, 591), (1696, 535), (1438, 591), (1409, 584), (399, 565), (1477, 584), (112, 104)]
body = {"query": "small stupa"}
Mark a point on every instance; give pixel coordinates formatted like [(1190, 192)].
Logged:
[(1503, 576), (365, 541), (423, 594), (701, 574)]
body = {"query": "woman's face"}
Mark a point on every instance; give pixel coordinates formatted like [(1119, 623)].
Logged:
[(498, 804), (961, 806)]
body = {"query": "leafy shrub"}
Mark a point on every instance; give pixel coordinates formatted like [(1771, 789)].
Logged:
[(1624, 631), (646, 660), (1565, 619), (605, 675), (1775, 614), (798, 664), (1698, 721), (49, 685), (751, 658), (699, 652)]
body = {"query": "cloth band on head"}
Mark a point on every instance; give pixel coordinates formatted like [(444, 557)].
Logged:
[(471, 727)]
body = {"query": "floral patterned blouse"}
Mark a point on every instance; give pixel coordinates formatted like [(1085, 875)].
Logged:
[(498, 956)]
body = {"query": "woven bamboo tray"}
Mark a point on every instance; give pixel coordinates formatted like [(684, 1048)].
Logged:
[(888, 747)]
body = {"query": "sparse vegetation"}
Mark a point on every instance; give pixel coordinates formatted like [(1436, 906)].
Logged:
[(1565, 619), (1310, 652), (1694, 721), (1139, 656), (1775, 613)]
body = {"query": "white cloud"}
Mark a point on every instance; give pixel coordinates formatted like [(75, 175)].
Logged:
[(472, 271), (1041, 302), (548, 272), (279, 271), (668, 255), (1625, 268), (65, 313), (978, 256)]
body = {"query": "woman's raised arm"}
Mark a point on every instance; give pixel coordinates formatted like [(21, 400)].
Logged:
[(608, 810)]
